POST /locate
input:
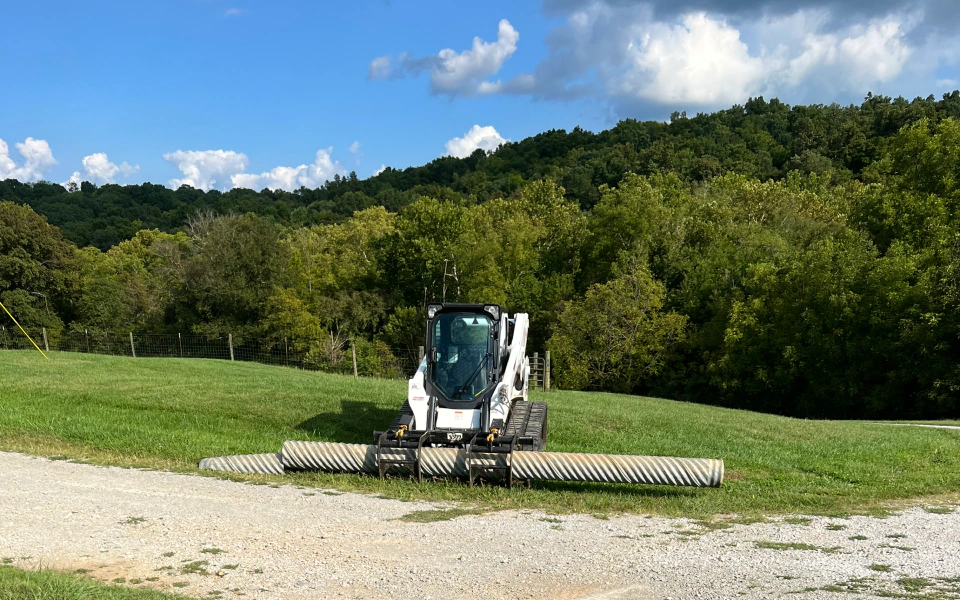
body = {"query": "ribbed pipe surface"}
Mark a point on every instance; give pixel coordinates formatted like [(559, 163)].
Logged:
[(451, 462), (270, 463), (613, 468), (545, 466), (329, 456)]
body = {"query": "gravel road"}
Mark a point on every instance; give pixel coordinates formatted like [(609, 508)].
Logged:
[(206, 537)]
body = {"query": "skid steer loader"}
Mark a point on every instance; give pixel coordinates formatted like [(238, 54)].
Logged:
[(470, 391), (468, 414)]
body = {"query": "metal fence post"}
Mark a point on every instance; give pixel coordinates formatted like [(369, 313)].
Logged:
[(133, 349), (230, 343), (180, 341), (46, 345), (86, 338), (353, 350), (286, 353), (546, 371), (420, 354)]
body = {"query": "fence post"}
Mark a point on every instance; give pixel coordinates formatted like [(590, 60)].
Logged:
[(86, 338), (420, 354), (286, 353), (230, 343), (353, 350), (546, 371), (46, 346), (133, 349), (180, 341)]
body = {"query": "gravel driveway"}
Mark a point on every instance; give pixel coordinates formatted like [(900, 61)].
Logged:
[(205, 537)]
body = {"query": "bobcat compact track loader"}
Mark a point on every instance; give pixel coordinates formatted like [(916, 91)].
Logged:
[(471, 391), (467, 414)]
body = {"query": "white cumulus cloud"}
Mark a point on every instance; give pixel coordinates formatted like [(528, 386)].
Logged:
[(380, 170), (381, 68), (878, 53), (859, 56), (701, 60), (354, 147), (485, 138), (37, 160), (703, 54), (456, 73), (206, 169), (313, 175), (98, 169), (224, 170), (706, 61)]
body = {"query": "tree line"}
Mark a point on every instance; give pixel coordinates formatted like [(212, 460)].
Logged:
[(760, 139), (824, 284)]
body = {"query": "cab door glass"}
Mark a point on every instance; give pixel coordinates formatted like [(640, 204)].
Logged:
[(462, 368)]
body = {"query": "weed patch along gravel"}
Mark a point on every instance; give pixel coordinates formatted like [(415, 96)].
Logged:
[(205, 537)]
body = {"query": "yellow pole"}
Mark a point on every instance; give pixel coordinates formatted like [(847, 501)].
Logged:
[(24, 331)]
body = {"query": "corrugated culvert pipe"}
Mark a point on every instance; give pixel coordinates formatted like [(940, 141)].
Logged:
[(451, 462)]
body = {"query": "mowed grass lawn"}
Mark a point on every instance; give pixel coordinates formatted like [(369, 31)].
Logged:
[(170, 413)]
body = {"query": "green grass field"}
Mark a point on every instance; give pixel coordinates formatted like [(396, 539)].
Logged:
[(170, 413), (16, 584)]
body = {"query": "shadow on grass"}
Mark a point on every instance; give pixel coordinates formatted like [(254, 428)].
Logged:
[(654, 491), (353, 424)]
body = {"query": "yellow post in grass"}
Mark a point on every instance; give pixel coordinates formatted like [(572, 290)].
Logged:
[(23, 330)]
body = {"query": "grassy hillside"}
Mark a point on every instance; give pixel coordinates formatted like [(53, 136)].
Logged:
[(170, 413)]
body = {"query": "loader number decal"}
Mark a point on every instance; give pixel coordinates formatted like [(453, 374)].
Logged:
[(454, 437)]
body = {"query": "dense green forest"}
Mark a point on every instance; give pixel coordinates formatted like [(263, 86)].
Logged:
[(761, 140), (802, 260)]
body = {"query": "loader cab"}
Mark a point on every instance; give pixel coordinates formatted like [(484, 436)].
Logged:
[(462, 354)]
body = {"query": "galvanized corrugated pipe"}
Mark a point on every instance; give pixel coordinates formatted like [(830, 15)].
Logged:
[(270, 463), (544, 466), (451, 462)]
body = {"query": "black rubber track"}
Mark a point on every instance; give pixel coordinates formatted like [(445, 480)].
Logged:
[(517, 421), (529, 420), (404, 410), (537, 425)]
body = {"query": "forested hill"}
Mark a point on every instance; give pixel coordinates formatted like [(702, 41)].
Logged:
[(762, 140), (803, 260)]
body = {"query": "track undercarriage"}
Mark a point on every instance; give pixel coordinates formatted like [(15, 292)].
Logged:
[(487, 453)]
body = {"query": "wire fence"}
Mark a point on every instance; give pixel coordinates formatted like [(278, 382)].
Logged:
[(361, 358)]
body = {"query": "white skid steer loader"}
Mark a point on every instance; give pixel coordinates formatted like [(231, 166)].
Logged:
[(470, 392), (468, 414)]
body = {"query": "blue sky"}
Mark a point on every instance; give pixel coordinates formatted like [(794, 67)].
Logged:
[(221, 93)]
